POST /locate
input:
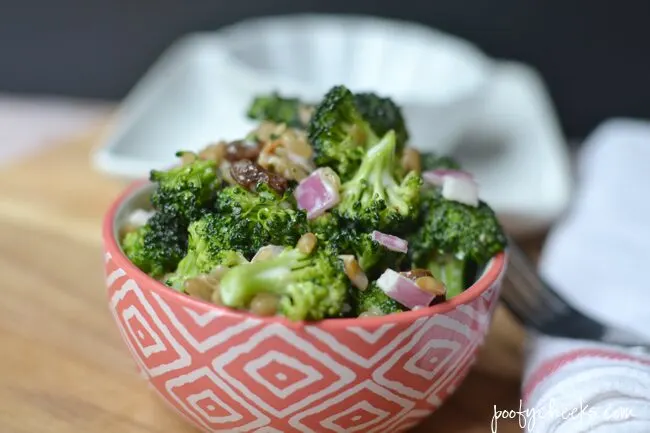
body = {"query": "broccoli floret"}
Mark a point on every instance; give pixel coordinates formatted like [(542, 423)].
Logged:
[(182, 195), (345, 125), (373, 300), (185, 191), (279, 109), (158, 246), (325, 225), (339, 133), (211, 244), (454, 239), (343, 237), (375, 197), (462, 230), (380, 112), (239, 200), (373, 257), (261, 217), (310, 286), (431, 161), (383, 115)]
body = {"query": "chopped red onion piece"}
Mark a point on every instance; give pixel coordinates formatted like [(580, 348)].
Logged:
[(318, 192), (457, 185), (462, 190), (391, 242), (403, 290), (437, 177)]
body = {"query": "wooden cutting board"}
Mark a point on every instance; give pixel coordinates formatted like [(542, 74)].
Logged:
[(63, 366)]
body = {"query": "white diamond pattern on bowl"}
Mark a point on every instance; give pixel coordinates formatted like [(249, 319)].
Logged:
[(332, 375), (220, 326), (371, 337), (428, 361), (215, 406), (114, 276), (165, 354), (212, 408), (367, 348), (148, 341), (360, 416), (373, 406), (444, 385), (287, 375), (441, 337)]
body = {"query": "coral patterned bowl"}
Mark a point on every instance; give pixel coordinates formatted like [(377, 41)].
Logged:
[(228, 371)]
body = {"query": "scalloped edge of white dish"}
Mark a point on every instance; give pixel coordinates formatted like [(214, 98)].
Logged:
[(188, 59), (466, 57), (400, 59)]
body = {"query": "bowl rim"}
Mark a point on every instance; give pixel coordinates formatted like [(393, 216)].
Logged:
[(494, 271)]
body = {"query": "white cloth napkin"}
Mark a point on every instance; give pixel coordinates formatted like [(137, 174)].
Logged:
[(598, 257)]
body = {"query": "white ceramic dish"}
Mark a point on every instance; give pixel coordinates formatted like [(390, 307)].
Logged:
[(199, 90), (436, 77), (517, 151)]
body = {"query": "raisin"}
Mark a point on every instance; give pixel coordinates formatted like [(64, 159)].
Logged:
[(248, 174)]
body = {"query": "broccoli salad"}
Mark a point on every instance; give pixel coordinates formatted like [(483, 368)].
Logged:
[(322, 211)]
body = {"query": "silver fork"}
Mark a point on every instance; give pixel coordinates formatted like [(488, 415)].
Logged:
[(537, 305)]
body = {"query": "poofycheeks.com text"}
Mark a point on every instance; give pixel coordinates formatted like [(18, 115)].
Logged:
[(528, 417)]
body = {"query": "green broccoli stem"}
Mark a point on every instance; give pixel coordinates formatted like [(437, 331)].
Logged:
[(374, 171), (451, 271), (240, 284), (378, 161), (187, 268)]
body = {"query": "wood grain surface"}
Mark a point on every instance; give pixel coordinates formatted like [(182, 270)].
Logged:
[(63, 367)]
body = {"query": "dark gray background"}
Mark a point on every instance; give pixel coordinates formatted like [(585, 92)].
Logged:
[(593, 54)]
